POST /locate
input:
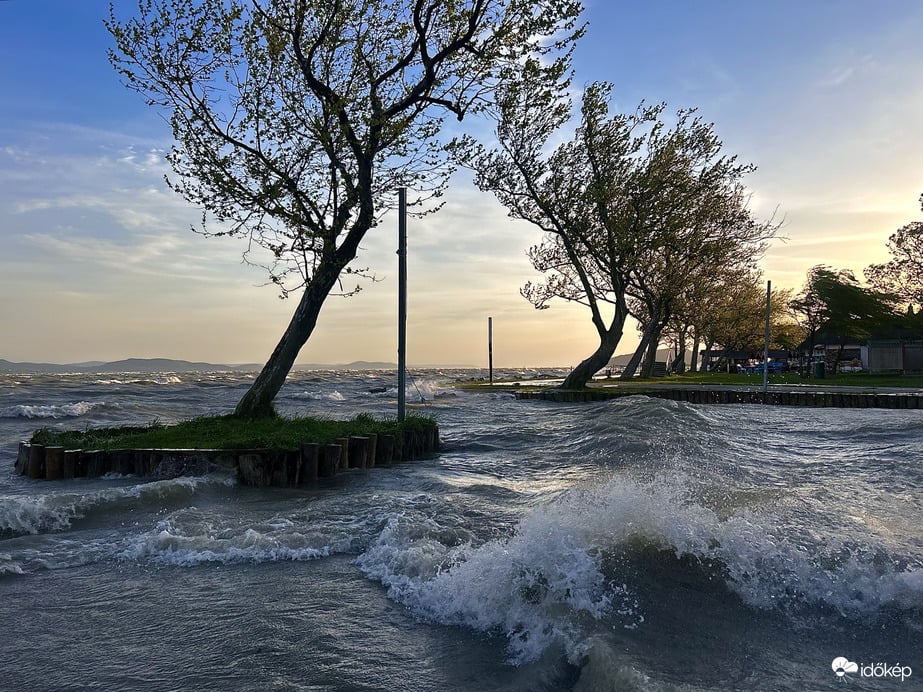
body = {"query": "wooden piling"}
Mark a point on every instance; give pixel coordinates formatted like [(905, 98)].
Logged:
[(384, 450), (344, 453), (358, 451), (254, 469), (54, 463), (371, 451), (397, 454), (329, 460), (36, 462), (307, 470), (70, 462), (22, 458)]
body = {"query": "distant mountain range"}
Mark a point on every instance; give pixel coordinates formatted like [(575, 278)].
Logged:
[(148, 365)]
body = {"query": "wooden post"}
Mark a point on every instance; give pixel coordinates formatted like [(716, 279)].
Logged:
[(397, 453), (384, 450), (54, 463), (329, 460), (279, 465), (344, 453), (70, 462), (372, 450), (36, 462), (22, 458), (307, 471), (252, 469), (358, 451)]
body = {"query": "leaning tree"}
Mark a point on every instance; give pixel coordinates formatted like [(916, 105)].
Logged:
[(297, 120), (632, 210)]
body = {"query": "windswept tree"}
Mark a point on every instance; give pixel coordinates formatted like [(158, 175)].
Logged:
[(902, 275), (297, 120), (834, 304), (631, 209), (730, 312)]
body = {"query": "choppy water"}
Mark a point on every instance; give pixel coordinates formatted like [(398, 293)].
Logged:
[(637, 544)]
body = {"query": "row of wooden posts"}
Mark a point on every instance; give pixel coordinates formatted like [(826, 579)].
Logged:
[(730, 396), (256, 467)]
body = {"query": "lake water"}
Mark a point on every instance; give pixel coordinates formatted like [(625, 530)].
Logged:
[(636, 544)]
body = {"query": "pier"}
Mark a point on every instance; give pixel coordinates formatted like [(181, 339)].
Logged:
[(814, 398)]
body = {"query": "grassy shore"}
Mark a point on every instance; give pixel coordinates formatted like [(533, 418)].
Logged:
[(226, 432)]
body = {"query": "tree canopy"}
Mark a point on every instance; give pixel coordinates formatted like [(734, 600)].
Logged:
[(902, 275), (295, 121), (835, 308), (633, 210)]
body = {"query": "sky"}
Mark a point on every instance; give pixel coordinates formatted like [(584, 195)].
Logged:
[(98, 262)]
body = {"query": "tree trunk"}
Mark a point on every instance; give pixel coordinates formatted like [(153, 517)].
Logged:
[(257, 402), (608, 342), (647, 370), (694, 366), (679, 363), (636, 357)]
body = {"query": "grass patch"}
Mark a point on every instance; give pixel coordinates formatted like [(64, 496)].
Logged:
[(226, 432), (845, 379), (859, 380)]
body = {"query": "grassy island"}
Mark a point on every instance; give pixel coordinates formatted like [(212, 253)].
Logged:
[(227, 432)]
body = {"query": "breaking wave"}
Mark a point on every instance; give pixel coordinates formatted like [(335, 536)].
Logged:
[(53, 512), (589, 562), (74, 410)]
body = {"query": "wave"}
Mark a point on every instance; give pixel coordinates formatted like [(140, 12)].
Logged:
[(72, 410), (319, 396), (158, 380), (54, 512), (595, 559), (8, 565), (179, 541)]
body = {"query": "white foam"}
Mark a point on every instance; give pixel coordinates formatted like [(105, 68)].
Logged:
[(73, 410), (169, 544), (57, 511), (540, 586)]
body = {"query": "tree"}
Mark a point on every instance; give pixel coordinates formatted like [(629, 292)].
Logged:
[(565, 193), (296, 120), (902, 275), (834, 305), (631, 210), (731, 312)]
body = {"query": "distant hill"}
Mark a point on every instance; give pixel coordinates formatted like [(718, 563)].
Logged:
[(126, 365), (663, 354), (148, 365)]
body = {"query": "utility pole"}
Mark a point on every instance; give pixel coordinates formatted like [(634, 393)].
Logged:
[(766, 344), (490, 348), (401, 303)]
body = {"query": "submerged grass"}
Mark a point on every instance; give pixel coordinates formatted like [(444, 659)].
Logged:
[(226, 432)]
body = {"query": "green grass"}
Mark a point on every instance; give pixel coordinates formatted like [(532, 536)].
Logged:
[(850, 379), (857, 379), (225, 432)]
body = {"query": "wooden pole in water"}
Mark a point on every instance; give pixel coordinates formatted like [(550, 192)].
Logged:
[(766, 344), (490, 348), (401, 302)]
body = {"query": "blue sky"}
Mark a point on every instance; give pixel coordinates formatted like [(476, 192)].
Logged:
[(97, 260)]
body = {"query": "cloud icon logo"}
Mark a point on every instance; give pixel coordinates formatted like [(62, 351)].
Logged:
[(842, 665)]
